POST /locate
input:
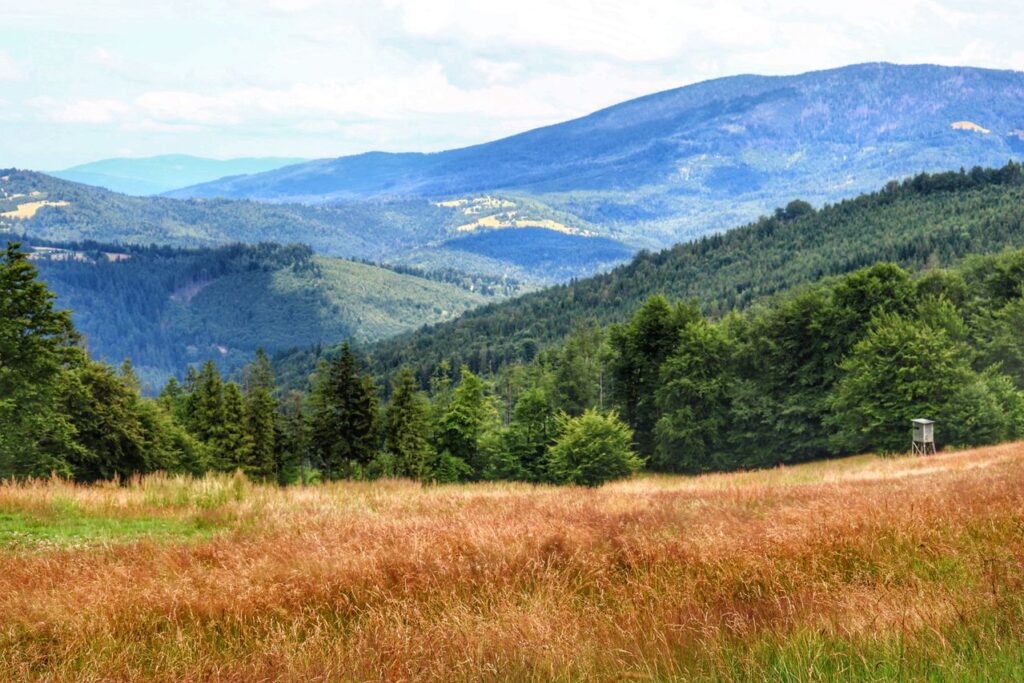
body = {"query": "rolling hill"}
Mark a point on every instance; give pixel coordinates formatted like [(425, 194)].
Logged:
[(166, 308), (154, 175), (924, 221), (707, 156), (414, 232)]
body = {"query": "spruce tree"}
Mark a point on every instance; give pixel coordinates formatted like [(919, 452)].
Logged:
[(171, 397), (261, 409), (405, 427), (592, 449), (205, 410), (345, 417), (292, 445), (234, 446), (469, 416), (36, 346)]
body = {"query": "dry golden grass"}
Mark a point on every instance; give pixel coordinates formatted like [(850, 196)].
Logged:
[(29, 209), (969, 125), (511, 219), (862, 568)]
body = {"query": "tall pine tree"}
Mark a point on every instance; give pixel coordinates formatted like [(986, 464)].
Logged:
[(344, 425)]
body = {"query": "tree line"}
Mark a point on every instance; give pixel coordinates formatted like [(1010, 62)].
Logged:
[(832, 368), (66, 414)]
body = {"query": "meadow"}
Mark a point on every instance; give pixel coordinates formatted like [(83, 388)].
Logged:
[(865, 568)]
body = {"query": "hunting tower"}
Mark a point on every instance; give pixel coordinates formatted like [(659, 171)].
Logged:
[(924, 437)]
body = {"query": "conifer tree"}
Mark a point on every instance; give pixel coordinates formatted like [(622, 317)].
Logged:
[(261, 409), (191, 379), (171, 396), (592, 449), (205, 411), (292, 444), (234, 446), (344, 424), (440, 392), (469, 415), (533, 430), (36, 345), (405, 427), (130, 377)]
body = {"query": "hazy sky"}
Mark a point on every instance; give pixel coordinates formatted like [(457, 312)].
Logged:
[(86, 80)]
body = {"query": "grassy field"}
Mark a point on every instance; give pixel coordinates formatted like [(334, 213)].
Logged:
[(860, 569)]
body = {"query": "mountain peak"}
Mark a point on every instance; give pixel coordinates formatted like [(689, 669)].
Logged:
[(702, 156)]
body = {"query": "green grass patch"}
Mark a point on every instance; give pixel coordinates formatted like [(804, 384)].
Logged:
[(68, 527)]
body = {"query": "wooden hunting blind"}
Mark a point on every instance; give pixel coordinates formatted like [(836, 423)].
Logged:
[(924, 437)]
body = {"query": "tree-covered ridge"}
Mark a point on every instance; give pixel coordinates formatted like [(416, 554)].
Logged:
[(166, 308), (412, 232), (927, 219), (706, 156)]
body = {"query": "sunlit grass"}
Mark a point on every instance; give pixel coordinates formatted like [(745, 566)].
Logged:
[(864, 568)]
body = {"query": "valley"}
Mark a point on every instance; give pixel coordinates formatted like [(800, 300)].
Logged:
[(413, 232), (504, 341), (168, 308), (924, 221)]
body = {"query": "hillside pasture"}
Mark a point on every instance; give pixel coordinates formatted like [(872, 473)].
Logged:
[(863, 568)]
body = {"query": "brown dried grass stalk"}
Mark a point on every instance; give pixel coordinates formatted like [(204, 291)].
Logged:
[(722, 576)]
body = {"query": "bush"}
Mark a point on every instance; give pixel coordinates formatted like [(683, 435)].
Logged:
[(593, 449)]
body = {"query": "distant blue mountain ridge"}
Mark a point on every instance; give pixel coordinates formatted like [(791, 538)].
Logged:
[(155, 175), (682, 162)]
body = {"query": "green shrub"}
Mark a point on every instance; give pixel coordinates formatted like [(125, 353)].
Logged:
[(593, 449)]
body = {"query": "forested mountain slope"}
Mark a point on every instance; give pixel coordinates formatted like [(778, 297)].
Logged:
[(704, 156), (166, 308), (494, 236), (925, 220)]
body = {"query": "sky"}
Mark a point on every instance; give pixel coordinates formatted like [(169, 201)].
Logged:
[(81, 81)]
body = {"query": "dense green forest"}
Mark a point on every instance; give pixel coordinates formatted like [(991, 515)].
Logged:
[(166, 308), (835, 367), (926, 220)]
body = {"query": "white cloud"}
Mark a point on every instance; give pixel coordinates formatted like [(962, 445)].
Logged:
[(425, 91), (346, 76), (496, 72), (151, 126), (80, 111)]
